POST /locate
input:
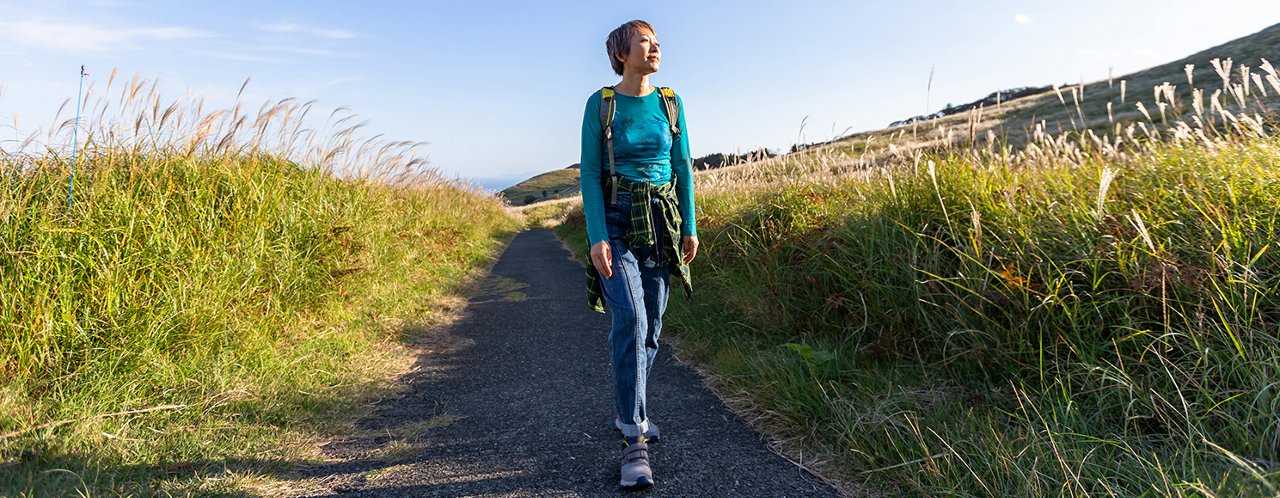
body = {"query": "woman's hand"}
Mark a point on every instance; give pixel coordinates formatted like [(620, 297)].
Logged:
[(690, 245), (602, 258)]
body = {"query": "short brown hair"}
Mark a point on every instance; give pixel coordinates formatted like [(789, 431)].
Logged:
[(619, 41)]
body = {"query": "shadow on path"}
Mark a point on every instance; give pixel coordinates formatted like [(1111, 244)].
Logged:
[(515, 399)]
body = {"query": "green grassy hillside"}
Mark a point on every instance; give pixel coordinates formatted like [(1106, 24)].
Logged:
[(206, 309), (557, 184)]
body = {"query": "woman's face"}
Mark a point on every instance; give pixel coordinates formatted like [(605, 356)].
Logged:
[(644, 56)]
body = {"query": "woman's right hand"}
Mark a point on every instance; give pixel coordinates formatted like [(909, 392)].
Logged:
[(602, 258)]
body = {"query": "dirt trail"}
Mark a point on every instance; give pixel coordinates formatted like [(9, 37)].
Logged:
[(515, 399)]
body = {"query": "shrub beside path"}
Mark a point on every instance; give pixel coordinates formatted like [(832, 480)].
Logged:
[(515, 399)]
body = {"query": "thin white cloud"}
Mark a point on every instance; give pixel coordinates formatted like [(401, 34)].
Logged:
[(292, 28), (48, 34), (346, 79), (1022, 19)]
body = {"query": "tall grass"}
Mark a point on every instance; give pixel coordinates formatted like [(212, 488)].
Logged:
[(225, 288), (549, 213), (1092, 314)]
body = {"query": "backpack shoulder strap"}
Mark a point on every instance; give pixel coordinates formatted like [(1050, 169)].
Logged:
[(608, 104), (672, 105)]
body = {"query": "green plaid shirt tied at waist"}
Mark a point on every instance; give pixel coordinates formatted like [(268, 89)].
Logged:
[(642, 233)]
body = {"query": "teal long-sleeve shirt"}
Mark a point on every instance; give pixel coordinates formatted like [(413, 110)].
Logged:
[(642, 151)]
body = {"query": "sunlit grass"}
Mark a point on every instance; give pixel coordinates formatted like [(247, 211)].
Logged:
[(1091, 313), (224, 288), (548, 213)]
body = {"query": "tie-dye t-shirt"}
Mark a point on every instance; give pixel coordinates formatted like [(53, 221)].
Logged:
[(642, 151)]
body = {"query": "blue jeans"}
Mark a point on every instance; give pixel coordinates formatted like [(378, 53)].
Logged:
[(636, 297)]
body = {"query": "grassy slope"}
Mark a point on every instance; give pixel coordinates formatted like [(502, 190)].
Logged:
[(1015, 119), (555, 184), (966, 323), (1012, 322), (260, 302)]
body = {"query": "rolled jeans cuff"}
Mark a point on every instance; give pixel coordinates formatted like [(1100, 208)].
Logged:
[(635, 429)]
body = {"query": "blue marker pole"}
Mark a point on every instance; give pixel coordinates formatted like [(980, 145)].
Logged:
[(75, 138)]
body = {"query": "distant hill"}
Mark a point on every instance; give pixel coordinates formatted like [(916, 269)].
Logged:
[(555, 184), (718, 160), (992, 100), (1248, 51), (1057, 110)]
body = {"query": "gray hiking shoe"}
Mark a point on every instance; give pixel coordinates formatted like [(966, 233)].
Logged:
[(635, 466), (653, 435)]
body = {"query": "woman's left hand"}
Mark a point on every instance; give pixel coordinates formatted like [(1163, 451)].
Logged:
[(690, 245)]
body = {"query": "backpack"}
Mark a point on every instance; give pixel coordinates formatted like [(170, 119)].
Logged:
[(608, 105)]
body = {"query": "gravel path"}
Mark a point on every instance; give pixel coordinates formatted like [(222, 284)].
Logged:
[(515, 399)]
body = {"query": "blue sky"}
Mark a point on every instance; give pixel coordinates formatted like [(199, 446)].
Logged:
[(497, 88)]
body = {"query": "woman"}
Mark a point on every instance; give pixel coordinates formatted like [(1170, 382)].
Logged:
[(640, 223)]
